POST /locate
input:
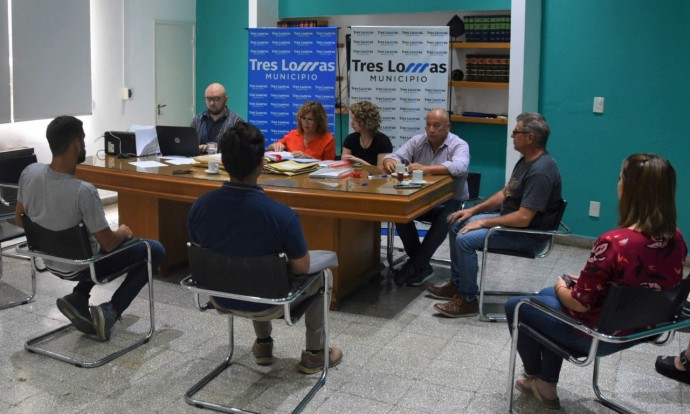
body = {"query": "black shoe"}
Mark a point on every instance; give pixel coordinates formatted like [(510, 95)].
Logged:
[(104, 317), (76, 309), (404, 274), (422, 276), (665, 365)]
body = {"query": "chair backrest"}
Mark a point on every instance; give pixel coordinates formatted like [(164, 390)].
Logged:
[(628, 307), (72, 243), (473, 181), (262, 276), (558, 217)]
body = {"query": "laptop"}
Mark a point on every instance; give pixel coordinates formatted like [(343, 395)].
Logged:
[(177, 140)]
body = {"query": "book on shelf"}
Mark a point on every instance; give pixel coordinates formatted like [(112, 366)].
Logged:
[(493, 29), (487, 68), (303, 23)]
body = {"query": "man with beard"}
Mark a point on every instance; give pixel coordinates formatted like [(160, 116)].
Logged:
[(52, 197), (216, 119)]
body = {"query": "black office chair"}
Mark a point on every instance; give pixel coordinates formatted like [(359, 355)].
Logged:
[(266, 280), (11, 167), (71, 246), (473, 182), (557, 228), (625, 308)]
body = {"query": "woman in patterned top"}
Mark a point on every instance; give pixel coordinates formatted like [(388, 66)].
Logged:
[(645, 250)]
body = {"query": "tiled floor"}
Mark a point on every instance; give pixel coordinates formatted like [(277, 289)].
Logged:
[(399, 356)]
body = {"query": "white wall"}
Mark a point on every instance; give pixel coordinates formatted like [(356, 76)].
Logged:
[(110, 72)]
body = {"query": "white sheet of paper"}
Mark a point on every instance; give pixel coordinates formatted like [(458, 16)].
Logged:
[(180, 161), (147, 164)]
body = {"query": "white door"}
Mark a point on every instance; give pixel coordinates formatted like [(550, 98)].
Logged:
[(174, 66)]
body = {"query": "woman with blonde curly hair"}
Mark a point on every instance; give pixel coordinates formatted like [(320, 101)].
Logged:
[(311, 139), (367, 145)]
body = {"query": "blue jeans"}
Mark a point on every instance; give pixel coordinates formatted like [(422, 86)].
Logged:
[(538, 359), (135, 280), (463, 252), (420, 252)]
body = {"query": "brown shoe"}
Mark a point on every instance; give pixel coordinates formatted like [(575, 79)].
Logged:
[(445, 291), (457, 308), (263, 352), (312, 362)]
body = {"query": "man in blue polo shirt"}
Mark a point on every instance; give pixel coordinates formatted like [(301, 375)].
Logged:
[(239, 219), (216, 119)]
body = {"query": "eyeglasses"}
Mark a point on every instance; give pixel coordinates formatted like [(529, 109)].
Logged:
[(516, 132), (213, 99), (306, 119)]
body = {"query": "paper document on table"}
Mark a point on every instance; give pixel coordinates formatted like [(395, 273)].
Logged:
[(147, 164), (180, 161), (146, 139), (332, 173), (277, 156), (290, 168)]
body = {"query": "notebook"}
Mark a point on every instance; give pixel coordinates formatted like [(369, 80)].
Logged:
[(177, 140)]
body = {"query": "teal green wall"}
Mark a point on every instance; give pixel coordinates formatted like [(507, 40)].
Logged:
[(301, 8), (634, 53), (221, 50)]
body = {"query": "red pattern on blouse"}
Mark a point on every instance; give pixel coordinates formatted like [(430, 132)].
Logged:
[(627, 257)]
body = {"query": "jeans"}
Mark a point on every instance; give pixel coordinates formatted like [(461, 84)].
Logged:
[(538, 359), (420, 252), (463, 252), (136, 278)]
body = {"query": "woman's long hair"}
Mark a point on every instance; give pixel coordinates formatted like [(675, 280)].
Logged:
[(648, 198)]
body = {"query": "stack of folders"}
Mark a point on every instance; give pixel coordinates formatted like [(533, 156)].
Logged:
[(291, 167), (332, 173)]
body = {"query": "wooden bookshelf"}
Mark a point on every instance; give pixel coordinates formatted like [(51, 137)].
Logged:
[(486, 85), (474, 120), (479, 45)]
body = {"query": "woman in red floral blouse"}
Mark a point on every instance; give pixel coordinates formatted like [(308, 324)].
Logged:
[(645, 250)]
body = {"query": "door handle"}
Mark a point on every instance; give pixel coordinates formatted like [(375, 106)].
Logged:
[(159, 108)]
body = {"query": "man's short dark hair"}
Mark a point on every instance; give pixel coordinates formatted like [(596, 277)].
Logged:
[(62, 131), (242, 149)]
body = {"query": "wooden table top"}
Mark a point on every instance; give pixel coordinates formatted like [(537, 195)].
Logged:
[(374, 198)]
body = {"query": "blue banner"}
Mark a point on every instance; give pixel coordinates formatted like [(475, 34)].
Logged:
[(288, 67)]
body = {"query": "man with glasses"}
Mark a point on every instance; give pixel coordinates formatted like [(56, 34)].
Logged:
[(439, 152), (530, 199), (216, 119)]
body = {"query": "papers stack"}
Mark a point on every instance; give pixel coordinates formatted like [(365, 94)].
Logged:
[(277, 156), (332, 173), (290, 168), (204, 159)]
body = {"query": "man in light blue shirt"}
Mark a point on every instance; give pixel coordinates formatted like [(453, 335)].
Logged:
[(437, 152)]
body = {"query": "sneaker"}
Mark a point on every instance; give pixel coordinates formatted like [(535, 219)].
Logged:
[(104, 317), (405, 273), (444, 292), (76, 309), (457, 308), (263, 352), (312, 362), (422, 276)]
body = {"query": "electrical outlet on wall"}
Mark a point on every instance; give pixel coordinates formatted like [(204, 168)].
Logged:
[(594, 208)]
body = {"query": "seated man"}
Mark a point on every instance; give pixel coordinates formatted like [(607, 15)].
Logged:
[(530, 199), (52, 197), (216, 119), (238, 219), (440, 152)]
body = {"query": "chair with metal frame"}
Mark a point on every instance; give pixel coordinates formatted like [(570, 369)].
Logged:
[(71, 246), (558, 228), (625, 308), (264, 279), (11, 167), (473, 181)]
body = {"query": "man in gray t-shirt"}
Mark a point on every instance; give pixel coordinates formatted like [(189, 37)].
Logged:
[(530, 199), (52, 197)]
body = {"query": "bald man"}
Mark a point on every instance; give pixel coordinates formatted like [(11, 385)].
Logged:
[(216, 119)]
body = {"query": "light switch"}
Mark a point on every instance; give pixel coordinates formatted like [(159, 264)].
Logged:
[(598, 105)]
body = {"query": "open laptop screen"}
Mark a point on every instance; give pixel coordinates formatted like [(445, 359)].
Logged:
[(177, 140)]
